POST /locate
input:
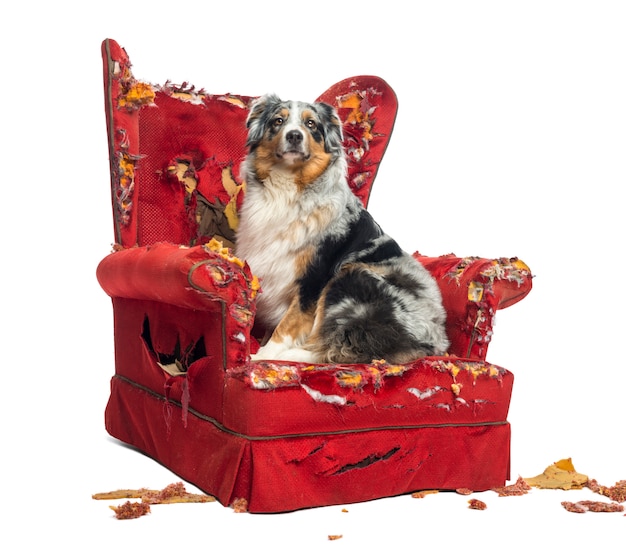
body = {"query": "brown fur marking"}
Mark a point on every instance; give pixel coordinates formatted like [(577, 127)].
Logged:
[(314, 167), (295, 324), (303, 261), (265, 158)]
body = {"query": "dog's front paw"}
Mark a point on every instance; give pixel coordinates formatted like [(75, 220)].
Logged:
[(272, 350)]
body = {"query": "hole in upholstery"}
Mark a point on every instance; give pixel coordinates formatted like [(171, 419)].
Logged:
[(367, 461), (177, 362), (184, 170)]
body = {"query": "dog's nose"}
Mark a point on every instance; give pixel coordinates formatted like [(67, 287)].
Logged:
[(294, 137)]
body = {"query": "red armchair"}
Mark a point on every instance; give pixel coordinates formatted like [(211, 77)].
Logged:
[(281, 435)]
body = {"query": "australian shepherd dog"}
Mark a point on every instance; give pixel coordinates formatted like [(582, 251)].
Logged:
[(335, 287)]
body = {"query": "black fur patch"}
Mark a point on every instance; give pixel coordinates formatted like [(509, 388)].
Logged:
[(334, 252), (331, 129), (375, 333), (262, 112)]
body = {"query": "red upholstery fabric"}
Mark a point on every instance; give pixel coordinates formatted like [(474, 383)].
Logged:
[(286, 472), (284, 436)]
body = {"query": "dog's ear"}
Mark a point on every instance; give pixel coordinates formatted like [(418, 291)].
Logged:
[(260, 111), (333, 130)]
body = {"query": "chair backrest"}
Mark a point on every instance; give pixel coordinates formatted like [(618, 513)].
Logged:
[(175, 151)]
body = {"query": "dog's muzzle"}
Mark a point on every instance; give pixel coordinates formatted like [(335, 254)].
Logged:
[(293, 146)]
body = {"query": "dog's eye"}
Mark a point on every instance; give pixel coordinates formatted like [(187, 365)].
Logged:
[(277, 122), (311, 124)]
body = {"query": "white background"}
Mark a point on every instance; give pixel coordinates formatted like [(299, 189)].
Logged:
[(510, 141)]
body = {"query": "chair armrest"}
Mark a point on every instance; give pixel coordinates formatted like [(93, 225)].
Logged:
[(194, 278), (199, 279), (473, 289)]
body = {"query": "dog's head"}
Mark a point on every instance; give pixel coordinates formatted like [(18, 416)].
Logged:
[(293, 136)]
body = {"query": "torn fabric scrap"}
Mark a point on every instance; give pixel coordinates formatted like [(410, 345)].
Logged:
[(560, 475)]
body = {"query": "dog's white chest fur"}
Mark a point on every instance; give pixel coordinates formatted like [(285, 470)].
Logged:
[(275, 226)]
